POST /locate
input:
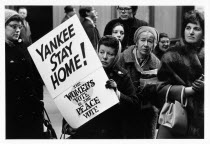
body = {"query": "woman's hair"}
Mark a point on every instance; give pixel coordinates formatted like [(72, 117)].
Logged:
[(194, 17), (163, 35), (109, 41), (118, 24), (134, 10), (14, 18)]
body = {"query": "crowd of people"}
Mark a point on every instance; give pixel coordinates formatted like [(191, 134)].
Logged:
[(140, 63)]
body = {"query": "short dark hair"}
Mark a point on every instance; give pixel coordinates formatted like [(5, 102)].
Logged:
[(68, 9), (14, 18), (109, 41), (84, 9), (118, 24), (194, 17), (163, 35), (134, 9)]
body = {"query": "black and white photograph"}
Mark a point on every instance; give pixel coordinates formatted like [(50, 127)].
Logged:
[(104, 72)]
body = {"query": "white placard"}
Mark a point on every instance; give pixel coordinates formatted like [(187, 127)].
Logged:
[(67, 61)]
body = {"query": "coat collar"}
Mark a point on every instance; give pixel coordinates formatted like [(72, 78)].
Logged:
[(128, 55)]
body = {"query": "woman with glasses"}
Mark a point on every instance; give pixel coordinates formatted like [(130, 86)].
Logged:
[(130, 23), (24, 119)]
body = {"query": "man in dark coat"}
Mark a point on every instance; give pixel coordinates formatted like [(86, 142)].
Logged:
[(131, 24), (89, 16)]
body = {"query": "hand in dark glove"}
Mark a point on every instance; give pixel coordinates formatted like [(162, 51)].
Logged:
[(111, 84), (198, 85)]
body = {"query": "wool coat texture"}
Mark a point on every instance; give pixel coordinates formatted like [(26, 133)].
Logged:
[(24, 117), (181, 66), (147, 116)]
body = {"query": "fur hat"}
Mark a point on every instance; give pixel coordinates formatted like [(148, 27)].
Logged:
[(9, 13), (144, 29)]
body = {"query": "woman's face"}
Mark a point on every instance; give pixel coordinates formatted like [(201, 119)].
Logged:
[(193, 33), (164, 43), (145, 43), (106, 55), (12, 30), (118, 32)]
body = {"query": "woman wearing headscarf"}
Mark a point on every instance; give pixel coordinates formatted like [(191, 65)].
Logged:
[(183, 67), (116, 122), (24, 118), (142, 66)]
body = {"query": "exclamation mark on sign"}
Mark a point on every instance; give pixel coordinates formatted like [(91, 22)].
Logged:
[(83, 52)]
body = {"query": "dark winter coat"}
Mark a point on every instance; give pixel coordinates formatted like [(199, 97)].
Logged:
[(148, 115), (91, 31), (130, 26), (181, 66), (118, 121), (23, 109)]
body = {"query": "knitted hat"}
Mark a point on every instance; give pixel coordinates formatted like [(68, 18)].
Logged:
[(9, 13), (144, 29)]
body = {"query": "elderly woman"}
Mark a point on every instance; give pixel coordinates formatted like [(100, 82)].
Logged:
[(116, 122), (24, 119), (142, 65), (183, 67)]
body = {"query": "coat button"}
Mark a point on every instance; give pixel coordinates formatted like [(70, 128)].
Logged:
[(11, 61), (20, 117)]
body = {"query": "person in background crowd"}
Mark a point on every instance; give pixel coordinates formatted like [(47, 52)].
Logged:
[(130, 23), (162, 46), (24, 118), (183, 67), (25, 36), (142, 66), (118, 31), (70, 11), (89, 16), (26, 31), (116, 122)]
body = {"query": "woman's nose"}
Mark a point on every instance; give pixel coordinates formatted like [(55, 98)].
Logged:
[(192, 31), (105, 55)]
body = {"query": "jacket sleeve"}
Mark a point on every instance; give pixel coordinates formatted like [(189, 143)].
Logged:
[(128, 98), (167, 76)]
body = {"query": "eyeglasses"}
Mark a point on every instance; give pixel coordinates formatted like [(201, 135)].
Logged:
[(124, 9), (15, 26)]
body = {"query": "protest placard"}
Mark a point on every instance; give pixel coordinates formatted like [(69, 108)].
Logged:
[(72, 73)]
